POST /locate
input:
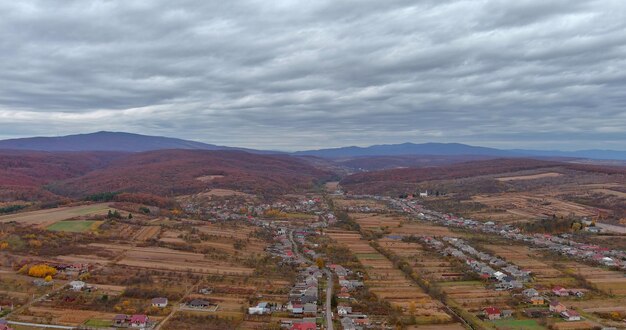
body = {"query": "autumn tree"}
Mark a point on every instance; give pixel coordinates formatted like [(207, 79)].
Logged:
[(41, 270)]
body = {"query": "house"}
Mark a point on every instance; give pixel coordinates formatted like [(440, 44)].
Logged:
[(77, 285), (119, 320), (530, 293), (139, 321), (557, 307), (309, 309), (4, 325), (297, 309), (260, 309), (159, 302), (348, 324), (304, 326), (344, 310), (199, 303), (560, 291), (506, 313), (570, 315), (492, 313), (537, 300)]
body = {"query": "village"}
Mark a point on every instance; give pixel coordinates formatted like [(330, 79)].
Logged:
[(329, 262)]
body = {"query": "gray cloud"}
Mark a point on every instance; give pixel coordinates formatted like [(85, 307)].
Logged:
[(294, 75)]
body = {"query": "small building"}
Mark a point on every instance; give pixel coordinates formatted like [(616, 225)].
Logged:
[(537, 300), (557, 307), (570, 315), (492, 313), (260, 309), (560, 292), (309, 309), (530, 293), (344, 310), (77, 285), (199, 303), (160, 302), (304, 326), (139, 321), (119, 320), (348, 324)]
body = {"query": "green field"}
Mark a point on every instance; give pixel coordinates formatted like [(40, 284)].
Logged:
[(77, 226), (98, 323), (371, 256), (518, 325)]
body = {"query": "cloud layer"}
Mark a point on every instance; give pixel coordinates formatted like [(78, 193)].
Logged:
[(306, 74)]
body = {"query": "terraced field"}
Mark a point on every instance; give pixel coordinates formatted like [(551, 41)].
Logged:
[(388, 282)]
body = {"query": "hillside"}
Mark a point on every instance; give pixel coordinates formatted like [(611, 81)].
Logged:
[(404, 180), (23, 173), (106, 141), (176, 172)]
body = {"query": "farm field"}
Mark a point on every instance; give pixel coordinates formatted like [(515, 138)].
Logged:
[(531, 206), (171, 260), (388, 282), (399, 225), (517, 325), (529, 259), (608, 281), (530, 176), (75, 226), (44, 218)]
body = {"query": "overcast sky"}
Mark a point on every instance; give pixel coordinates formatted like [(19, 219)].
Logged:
[(306, 74)]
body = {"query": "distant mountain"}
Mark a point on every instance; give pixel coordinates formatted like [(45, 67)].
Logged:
[(454, 149), (590, 154), (108, 141), (441, 149)]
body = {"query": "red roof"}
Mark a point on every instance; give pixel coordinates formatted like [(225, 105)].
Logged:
[(139, 318), (304, 326), (492, 311)]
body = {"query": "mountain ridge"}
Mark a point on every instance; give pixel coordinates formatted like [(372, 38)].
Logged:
[(131, 142)]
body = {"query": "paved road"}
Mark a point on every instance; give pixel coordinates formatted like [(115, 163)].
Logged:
[(329, 295), (329, 288)]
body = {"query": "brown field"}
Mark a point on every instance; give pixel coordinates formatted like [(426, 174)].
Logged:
[(223, 193), (422, 228), (578, 325), (343, 202), (529, 259), (147, 232), (427, 264), (530, 177), (473, 297), (209, 178), (608, 281), (376, 221), (386, 281), (44, 218), (611, 192), (452, 326), (172, 260), (70, 317), (332, 186), (530, 206)]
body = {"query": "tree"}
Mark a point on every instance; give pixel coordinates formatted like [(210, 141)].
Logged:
[(320, 263), (48, 278), (130, 215), (42, 270)]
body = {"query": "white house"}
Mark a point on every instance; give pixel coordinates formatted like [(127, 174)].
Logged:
[(77, 285), (344, 310), (260, 309), (159, 302)]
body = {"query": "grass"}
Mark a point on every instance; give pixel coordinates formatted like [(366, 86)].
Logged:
[(78, 226), (98, 323), (372, 256), (518, 324)]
